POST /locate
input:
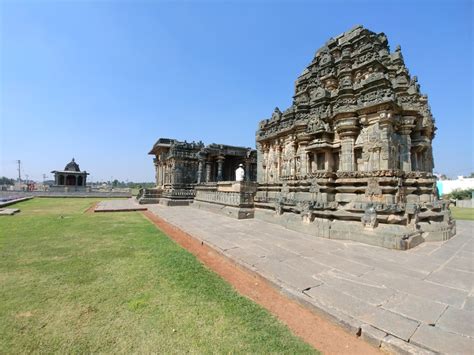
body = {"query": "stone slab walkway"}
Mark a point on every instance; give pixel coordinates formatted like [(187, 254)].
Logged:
[(8, 211), (119, 206), (416, 300)]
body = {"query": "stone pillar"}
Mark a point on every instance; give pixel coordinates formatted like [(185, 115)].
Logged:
[(292, 171), (329, 160), (405, 148), (208, 171), (347, 130), (278, 157), (220, 166), (262, 162), (199, 173), (260, 170), (247, 169), (347, 154), (388, 157), (159, 169), (304, 168)]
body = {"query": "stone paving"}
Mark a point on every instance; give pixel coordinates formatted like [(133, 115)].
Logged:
[(404, 301), (130, 204), (8, 211)]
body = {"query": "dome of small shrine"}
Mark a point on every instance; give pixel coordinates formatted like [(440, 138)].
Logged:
[(72, 166)]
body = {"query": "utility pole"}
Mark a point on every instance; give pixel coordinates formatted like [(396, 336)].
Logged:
[(19, 171)]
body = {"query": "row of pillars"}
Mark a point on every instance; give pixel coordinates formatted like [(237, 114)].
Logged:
[(65, 178), (220, 170)]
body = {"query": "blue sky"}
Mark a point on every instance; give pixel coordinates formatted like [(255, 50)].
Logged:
[(101, 81)]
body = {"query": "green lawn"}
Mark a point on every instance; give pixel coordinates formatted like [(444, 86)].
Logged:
[(77, 282), (462, 213)]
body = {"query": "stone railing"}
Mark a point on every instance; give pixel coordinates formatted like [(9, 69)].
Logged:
[(228, 193)]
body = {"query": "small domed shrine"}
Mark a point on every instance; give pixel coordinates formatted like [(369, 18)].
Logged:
[(71, 177)]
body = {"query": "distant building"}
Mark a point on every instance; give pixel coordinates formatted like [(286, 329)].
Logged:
[(70, 179), (461, 183)]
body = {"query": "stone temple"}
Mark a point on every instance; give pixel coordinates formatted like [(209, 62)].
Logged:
[(351, 158), (71, 178), (188, 172)]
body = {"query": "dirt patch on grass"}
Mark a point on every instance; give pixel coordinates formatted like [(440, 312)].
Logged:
[(91, 209), (313, 328), (27, 314)]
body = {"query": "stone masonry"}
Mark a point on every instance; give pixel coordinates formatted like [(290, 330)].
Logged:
[(351, 158), (187, 172)]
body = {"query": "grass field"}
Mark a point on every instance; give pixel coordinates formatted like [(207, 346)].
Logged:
[(80, 282), (462, 213)]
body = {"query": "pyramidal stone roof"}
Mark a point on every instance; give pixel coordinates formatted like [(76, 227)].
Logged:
[(351, 75)]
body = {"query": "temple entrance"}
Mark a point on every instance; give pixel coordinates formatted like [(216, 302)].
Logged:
[(79, 181), (70, 180), (61, 180)]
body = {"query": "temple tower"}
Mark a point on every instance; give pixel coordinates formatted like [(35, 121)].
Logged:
[(355, 146)]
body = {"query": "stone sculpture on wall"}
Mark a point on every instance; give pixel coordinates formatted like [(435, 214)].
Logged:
[(353, 150)]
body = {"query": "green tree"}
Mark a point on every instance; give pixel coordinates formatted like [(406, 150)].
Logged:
[(459, 194), (6, 181)]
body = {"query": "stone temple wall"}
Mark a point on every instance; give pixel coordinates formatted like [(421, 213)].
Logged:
[(182, 167), (352, 158)]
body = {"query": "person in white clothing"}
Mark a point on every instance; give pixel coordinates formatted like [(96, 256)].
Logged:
[(240, 173)]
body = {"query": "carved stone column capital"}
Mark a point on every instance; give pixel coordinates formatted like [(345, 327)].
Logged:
[(347, 127), (407, 123)]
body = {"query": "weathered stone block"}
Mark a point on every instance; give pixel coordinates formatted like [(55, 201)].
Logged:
[(442, 341), (460, 321)]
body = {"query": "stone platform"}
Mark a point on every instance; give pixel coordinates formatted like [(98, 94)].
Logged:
[(413, 301), (8, 211), (119, 206)]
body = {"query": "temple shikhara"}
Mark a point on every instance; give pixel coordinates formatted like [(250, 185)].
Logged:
[(351, 158)]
